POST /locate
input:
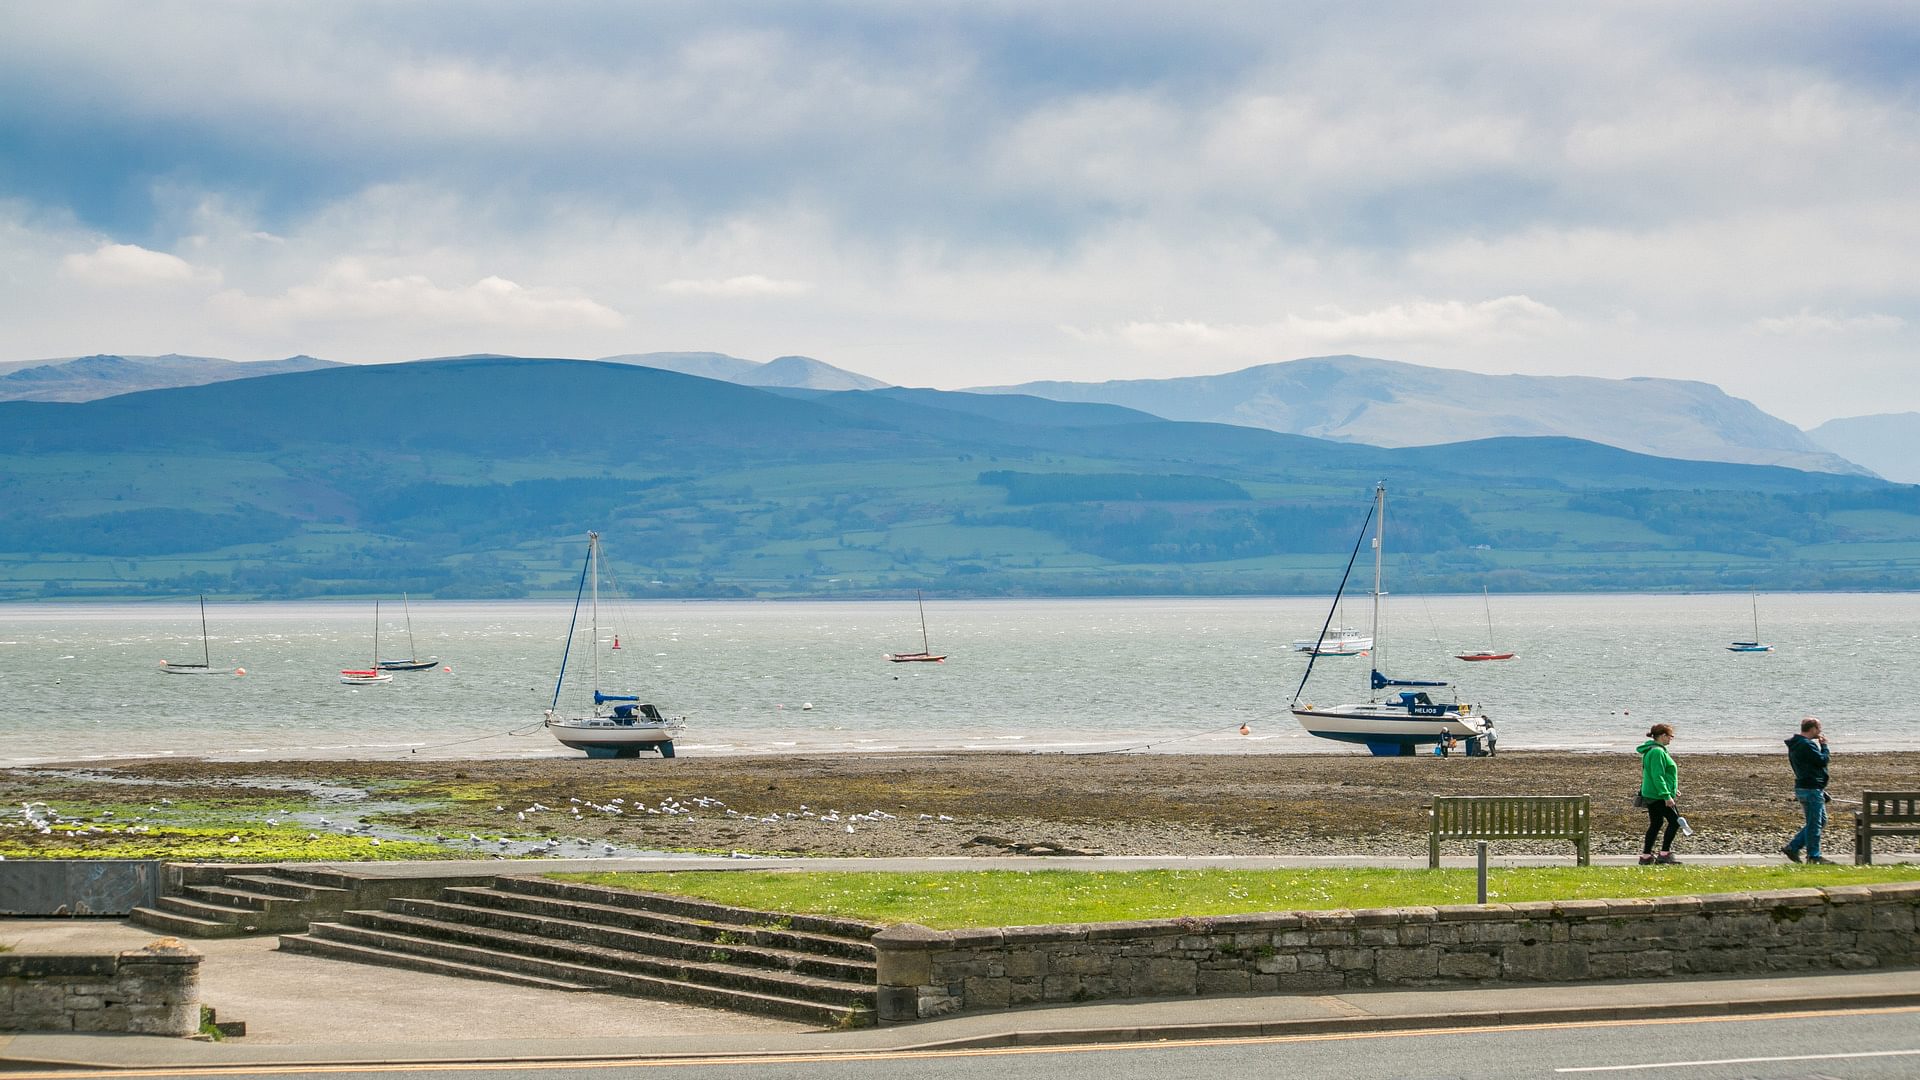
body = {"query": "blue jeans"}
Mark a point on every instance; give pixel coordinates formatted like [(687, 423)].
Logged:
[(1813, 802)]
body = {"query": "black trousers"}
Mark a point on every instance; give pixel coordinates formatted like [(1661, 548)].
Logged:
[(1659, 811)]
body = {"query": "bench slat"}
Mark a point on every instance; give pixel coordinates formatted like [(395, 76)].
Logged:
[(1509, 817), (1883, 813)]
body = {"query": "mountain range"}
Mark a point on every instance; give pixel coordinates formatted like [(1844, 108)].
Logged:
[(1344, 398), (1387, 403), (1887, 443), (86, 378), (477, 477)]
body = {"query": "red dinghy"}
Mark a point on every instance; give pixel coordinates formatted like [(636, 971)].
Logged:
[(1486, 653), (926, 655)]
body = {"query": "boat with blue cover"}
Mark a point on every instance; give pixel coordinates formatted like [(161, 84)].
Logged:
[(1756, 645), (1413, 712), (631, 725)]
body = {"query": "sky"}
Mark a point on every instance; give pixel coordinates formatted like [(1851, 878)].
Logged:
[(963, 194)]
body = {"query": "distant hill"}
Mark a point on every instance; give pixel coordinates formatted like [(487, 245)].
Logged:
[(478, 477), (798, 372), (1387, 403), (87, 378), (1887, 443)]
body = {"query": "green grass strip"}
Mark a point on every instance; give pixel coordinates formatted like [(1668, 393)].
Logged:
[(970, 898)]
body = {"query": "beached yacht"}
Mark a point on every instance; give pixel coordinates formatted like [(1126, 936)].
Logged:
[(1410, 714), (630, 725)]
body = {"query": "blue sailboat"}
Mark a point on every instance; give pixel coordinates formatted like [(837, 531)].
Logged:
[(631, 725)]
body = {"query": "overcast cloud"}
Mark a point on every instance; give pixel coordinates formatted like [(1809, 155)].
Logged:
[(978, 193)]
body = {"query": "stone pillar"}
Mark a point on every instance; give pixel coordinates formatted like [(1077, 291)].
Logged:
[(161, 986), (903, 960)]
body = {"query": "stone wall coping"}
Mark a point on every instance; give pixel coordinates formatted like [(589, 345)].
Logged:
[(1788, 897), (43, 965), (913, 936)]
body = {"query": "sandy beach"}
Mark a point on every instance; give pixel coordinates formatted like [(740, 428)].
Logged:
[(960, 804)]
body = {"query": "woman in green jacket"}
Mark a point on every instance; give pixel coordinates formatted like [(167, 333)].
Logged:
[(1660, 787)]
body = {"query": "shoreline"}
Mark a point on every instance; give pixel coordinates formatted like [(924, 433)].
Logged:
[(979, 803)]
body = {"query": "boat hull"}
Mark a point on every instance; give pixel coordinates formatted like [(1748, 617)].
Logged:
[(410, 665), (193, 669), (1476, 656), (608, 737), (917, 658), (1338, 643), (1749, 648), (1373, 724), (364, 678)]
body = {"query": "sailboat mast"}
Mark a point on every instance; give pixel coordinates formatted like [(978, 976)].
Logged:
[(413, 651), (206, 651), (1379, 536), (1488, 601), (376, 635), (593, 557), (925, 646), (1755, 597)]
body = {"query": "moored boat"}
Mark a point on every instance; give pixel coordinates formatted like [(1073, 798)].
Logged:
[(631, 725), (413, 661), (205, 666), (926, 655), (1410, 716)]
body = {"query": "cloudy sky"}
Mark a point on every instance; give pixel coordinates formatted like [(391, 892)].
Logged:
[(961, 194)]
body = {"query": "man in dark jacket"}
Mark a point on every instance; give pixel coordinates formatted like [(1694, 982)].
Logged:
[(1807, 753)]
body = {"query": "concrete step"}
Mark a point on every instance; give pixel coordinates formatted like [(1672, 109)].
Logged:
[(627, 916), (556, 944), (276, 884), (309, 944), (182, 925), (240, 899), (396, 947), (690, 908), (204, 909), (592, 929)]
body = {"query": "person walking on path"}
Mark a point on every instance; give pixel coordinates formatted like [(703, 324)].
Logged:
[(1660, 787), (1807, 753)]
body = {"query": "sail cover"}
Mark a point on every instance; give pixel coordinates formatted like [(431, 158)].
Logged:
[(1381, 681), (601, 699)]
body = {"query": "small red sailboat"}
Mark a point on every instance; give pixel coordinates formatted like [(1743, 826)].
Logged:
[(1487, 653), (926, 655)]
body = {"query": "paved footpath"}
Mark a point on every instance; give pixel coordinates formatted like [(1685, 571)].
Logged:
[(310, 1010)]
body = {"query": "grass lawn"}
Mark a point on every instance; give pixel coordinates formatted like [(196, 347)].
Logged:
[(970, 898)]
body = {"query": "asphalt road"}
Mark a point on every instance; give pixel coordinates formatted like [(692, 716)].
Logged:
[(1850, 1045)]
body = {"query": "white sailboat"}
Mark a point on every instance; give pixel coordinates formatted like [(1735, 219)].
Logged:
[(1409, 716), (1756, 645), (631, 725), (926, 655), (372, 675), (413, 661), (205, 666)]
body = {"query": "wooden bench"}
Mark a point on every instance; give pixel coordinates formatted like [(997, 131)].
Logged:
[(1508, 817), (1883, 813)]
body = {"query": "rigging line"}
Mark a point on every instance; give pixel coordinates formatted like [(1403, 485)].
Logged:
[(1156, 742), (572, 624), (517, 731), (1314, 653)]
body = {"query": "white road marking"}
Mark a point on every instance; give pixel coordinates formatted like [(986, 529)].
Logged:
[(1738, 1061)]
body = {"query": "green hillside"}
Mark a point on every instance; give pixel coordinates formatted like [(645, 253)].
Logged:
[(478, 477)]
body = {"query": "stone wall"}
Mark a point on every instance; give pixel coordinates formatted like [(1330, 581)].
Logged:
[(77, 886), (926, 972), (150, 991)]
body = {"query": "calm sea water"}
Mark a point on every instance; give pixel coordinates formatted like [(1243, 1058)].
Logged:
[(81, 682)]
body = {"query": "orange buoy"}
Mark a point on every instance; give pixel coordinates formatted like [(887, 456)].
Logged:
[(1245, 730), (616, 641)]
